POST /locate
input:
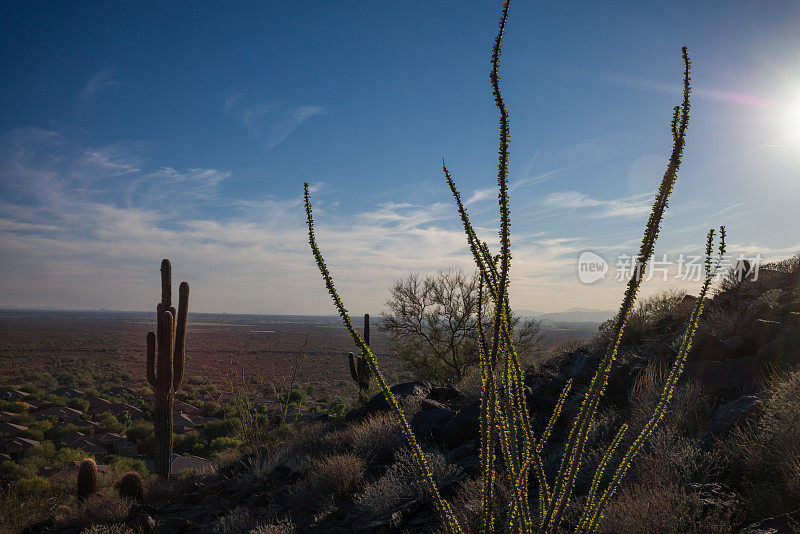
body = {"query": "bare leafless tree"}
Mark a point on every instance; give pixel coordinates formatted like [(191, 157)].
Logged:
[(431, 323)]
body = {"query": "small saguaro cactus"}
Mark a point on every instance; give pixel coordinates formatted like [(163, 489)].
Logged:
[(359, 366), (88, 479), (166, 373), (131, 486)]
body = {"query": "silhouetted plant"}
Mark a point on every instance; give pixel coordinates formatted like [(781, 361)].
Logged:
[(131, 486), (504, 419), (88, 479), (165, 368), (359, 368)]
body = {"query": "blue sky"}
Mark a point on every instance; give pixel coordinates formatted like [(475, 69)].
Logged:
[(135, 131)]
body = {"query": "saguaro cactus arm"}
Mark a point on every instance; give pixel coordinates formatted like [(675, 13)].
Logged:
[(179, 353)]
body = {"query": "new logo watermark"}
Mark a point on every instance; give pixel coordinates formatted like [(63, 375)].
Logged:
[(591, 267)]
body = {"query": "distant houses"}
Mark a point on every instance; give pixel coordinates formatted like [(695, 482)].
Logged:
[(13, 395), (62, 414), (10, 429), (14, 447)]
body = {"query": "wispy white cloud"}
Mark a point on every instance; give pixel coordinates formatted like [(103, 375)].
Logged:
[(102, 80), (268, 121), (631, 206)]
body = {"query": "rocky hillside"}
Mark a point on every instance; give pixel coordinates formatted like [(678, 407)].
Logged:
[(724, 459)]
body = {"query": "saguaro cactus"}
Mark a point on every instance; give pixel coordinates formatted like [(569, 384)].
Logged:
[(359, 366), (166, 374)]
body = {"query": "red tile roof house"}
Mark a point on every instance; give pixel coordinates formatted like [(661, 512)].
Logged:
[(121, 391), (187, 463), (13, 447), (10, 429), (97, 405), (62, 413), (185, 407), (114, 444), (89, 447), (182, 423), (70, 393), (12, 395), (8, 416), (68, 474), (120, 407)]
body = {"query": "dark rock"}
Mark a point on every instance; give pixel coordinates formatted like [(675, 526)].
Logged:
[(462, 427), (724, 379), (731, 414), (173, 525), (715, 499), (781, 352), (763, 331), (378, 403), (544, 391), (139, 520), (710, 348), (427, 423), (443, 393), (780, 524), (736, 345)]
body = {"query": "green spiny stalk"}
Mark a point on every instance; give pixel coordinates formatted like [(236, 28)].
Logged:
[(594, 512), (576, 441), (165, 367), (359, 366), (442, 507)]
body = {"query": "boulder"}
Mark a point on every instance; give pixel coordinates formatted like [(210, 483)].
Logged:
[(736, 345), (443, 393), (427, 423), (710, 348), (462, 427), (763, 331), (378, 403), (731, 414), (724, 379), (781, 352), (780, 524)]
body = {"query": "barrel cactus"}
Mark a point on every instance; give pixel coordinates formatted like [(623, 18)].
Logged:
[(88, 479), (165, 365), (131, 486)]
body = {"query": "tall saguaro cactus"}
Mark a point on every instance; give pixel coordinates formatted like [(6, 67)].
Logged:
[(166, 374), (359, 366)]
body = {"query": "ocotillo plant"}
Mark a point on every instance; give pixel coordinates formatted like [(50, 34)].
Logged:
[(88, 479), (504, 421), (359, 368), (165, 366)]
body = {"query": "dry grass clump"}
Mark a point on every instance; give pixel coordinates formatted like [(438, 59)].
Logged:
[(241, 520), (658, 508), (401, 483), (328, 478), (646, 318), (376, 439), (307, 441), (107, 529), (765, 453)]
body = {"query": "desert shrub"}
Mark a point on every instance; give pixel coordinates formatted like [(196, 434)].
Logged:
[(329, 477), (764, 453), (220, 444), (119, 528), (645, 316), (376, 439), (284, 526), (236, 521), (79, 404), (665, 509), (401, 483), (109, 423)]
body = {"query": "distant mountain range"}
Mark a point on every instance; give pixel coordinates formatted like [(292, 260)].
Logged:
[(572, 315)]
